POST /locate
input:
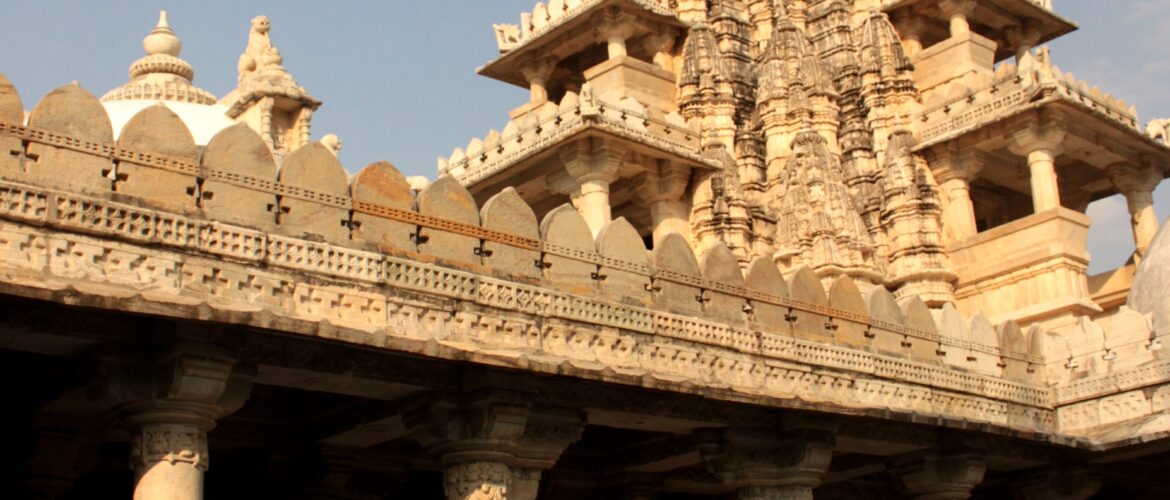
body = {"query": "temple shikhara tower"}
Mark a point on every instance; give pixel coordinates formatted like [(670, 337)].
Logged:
[(728, 249)]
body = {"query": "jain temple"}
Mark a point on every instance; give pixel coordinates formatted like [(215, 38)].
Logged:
[(728, 249)]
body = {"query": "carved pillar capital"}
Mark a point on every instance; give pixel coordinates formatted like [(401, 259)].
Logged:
[(951, 163), (1137, 184), (940, 476), (662, 180), (1059, 483), (765, 463), (1039, 131), (910, 25), (590, 168), (958, 11), (1134, 181), (537, 71), (169, 401), (660, 43), (1023, 37), (494, 443), (614, 26), (1040, 136)]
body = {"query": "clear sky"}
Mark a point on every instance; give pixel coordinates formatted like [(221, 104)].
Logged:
[(398, 76)]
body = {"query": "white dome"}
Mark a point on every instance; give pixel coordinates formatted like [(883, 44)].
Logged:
[(162, 77), (203, 120)]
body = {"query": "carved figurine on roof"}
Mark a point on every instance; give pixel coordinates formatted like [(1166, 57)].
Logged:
[(267, 97)]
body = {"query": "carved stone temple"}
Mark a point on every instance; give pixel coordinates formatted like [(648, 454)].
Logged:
[(729, 249)]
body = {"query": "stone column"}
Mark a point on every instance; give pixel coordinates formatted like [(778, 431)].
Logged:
[(1059, 483), (494, 444), (58, 454), (591, 168), (1137, 185), (1041, 139), (939, 475), (663, 187), (767, 464), (958, 11), (1023, 38), (910, 27), (169, 402), (660, 44), (537, 72), (613, 27), (954, 171)]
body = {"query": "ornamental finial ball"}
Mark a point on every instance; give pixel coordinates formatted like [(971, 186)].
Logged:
[(162, 39)]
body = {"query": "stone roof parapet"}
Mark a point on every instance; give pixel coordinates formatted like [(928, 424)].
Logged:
[(547, 17), (534, 131)]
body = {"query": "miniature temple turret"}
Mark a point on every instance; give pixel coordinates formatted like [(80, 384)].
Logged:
[(267, 97), (795, 93), (911, 219), (705, 84), (817, 224), (887, 80)]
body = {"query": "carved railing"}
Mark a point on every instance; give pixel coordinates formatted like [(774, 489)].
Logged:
[(1044, 4), (1007, 92), (369, 262), (547, 17), (551, 123)]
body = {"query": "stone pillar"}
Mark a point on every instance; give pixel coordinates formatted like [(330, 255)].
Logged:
[(169, 402), (660, 44), (939, 475), (613, 27), (494, 444), (1137, 185), (1040, 137), (767, 464), (958, 11), (954, 171), (1059, 483), (537, 72), (169, 455), (1023, 38), (590, 168), (910, 27), (663, 187), (57, 456)]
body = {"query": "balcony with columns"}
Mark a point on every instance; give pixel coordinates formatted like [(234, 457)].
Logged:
[(601, 128), (1026, 173)]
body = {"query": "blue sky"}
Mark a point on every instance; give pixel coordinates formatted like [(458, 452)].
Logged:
[(398, 77)]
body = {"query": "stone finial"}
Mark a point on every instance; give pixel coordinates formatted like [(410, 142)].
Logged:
[(162, 39), (161, 75)]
